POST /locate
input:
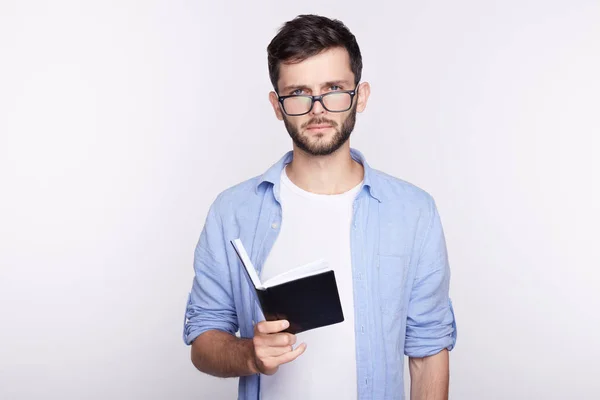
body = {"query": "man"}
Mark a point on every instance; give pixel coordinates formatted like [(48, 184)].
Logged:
[(382, 237)]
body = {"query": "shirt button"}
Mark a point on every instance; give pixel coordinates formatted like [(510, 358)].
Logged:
[(362, 329), (274, 225)]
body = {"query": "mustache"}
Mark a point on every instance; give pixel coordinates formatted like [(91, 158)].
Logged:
[(319, 121)]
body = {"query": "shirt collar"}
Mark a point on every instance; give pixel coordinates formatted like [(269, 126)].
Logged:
[(273, 174)]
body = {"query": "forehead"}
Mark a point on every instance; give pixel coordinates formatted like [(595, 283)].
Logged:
[(330, 65)]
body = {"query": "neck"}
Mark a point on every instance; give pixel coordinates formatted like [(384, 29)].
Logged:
[(332, 174)]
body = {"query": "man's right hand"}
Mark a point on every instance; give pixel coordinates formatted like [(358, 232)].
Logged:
[(273, 347)]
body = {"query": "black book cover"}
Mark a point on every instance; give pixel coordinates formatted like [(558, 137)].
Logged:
[(307, 303)]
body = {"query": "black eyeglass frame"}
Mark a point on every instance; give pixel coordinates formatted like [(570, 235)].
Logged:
[(318, 98)]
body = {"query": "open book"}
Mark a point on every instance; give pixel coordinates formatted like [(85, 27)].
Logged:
[(306, 296)]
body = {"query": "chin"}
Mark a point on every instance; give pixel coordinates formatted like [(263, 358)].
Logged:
[(322, 148), (320, 142)]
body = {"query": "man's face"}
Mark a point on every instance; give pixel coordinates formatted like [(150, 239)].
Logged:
[(319, 132)]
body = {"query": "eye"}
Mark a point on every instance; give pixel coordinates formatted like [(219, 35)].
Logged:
[(334, 88), (297, 92)]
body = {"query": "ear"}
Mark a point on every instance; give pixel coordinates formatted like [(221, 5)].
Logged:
[(274, 99), (364, 91)]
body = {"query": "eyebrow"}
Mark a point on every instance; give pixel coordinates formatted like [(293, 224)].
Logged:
[(342, 83)]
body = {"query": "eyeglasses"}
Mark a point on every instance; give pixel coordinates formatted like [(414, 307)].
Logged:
[(296, 105)]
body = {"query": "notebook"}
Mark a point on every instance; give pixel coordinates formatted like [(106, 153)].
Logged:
[(307, 296)]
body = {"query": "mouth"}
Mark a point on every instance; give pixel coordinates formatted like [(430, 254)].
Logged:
[(314, 128)]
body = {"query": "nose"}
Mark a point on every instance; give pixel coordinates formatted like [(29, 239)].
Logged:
[(317, 108)]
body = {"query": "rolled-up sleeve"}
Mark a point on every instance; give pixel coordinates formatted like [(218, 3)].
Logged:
[(210, 303), (431, 325)]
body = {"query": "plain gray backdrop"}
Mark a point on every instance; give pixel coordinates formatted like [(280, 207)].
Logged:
[(120, 122)]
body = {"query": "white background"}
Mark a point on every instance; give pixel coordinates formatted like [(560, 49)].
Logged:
[(121, 121)]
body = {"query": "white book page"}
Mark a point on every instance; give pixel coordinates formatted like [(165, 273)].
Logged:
[(239, 247), (313, 268)]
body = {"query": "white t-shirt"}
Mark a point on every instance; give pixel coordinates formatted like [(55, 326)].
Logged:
[(316, 226)]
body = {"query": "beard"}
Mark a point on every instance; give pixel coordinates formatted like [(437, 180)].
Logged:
[(320, 147)]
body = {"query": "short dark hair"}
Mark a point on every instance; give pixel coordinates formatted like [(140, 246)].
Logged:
[(308, 35)]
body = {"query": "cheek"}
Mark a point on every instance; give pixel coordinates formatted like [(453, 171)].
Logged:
[(340, 120), (295, 122)]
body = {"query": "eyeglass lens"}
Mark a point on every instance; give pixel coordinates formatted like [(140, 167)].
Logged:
[(332, 101)]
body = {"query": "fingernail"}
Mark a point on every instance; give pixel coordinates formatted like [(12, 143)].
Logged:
[(285, 324)]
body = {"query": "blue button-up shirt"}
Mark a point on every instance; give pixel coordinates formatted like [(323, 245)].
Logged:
[(400, 274)]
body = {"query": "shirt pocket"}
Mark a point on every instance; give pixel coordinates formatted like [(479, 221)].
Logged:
[(393, 270)]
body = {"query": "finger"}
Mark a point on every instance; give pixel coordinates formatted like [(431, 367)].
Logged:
[(263, 343), (268, 352), (289, 356), (272, 326), (276, 339)]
